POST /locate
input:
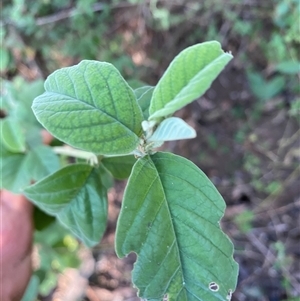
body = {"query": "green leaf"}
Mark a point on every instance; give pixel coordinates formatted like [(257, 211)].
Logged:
[(91, 107), (12, 135), (274, 87), (43, 161), (26, 92), (173, 128), (120, 167), (4, 59), (288, 67), (144, 95), (41, 219), (14, 170), (17, 98), (77, 197), (18, 170), (106, 177), (265, 90), (170, 217), (32, 289), (188, 77)]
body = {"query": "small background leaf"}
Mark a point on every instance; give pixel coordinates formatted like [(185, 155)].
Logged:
[(18, 170), (32, 289), (144, 95), (106, 177), (91, 107), (77, 197), (288, 67), (265, 90), (17, 98), (172, 222), (189, 75), (15, 170), (43, 161), (173, 128), (13, 136)]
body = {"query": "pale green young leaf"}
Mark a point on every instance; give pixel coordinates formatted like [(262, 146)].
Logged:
[(144, 95), (170, 217), (173, 128), (91, 107), (76, 196), (120, 167), (188, 77), (13, 136)]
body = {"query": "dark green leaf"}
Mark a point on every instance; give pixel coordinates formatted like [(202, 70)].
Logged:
[(170, 217), (91, 107), (41, 219), (77, 197), (120, 167)]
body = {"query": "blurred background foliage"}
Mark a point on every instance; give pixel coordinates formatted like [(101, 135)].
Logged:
[(247, 124)]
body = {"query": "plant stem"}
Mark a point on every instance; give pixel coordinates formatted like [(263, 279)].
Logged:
[(72, 152)]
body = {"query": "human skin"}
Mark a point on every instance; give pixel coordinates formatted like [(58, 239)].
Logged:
[(15, 245), (16, 234)]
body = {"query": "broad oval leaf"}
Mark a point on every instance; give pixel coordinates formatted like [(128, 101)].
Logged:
[(170, 217), (120, 167), (91, 107), (13, 136), (144, 95), (188, 77), (77, 197), (173, 128)]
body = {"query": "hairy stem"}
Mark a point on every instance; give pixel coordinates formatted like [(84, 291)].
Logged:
[(76, 153)]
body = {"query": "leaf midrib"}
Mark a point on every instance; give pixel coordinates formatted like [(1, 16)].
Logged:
[(178, 97), (170, 219), (92, 108), (76, 191), (194, 80)]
